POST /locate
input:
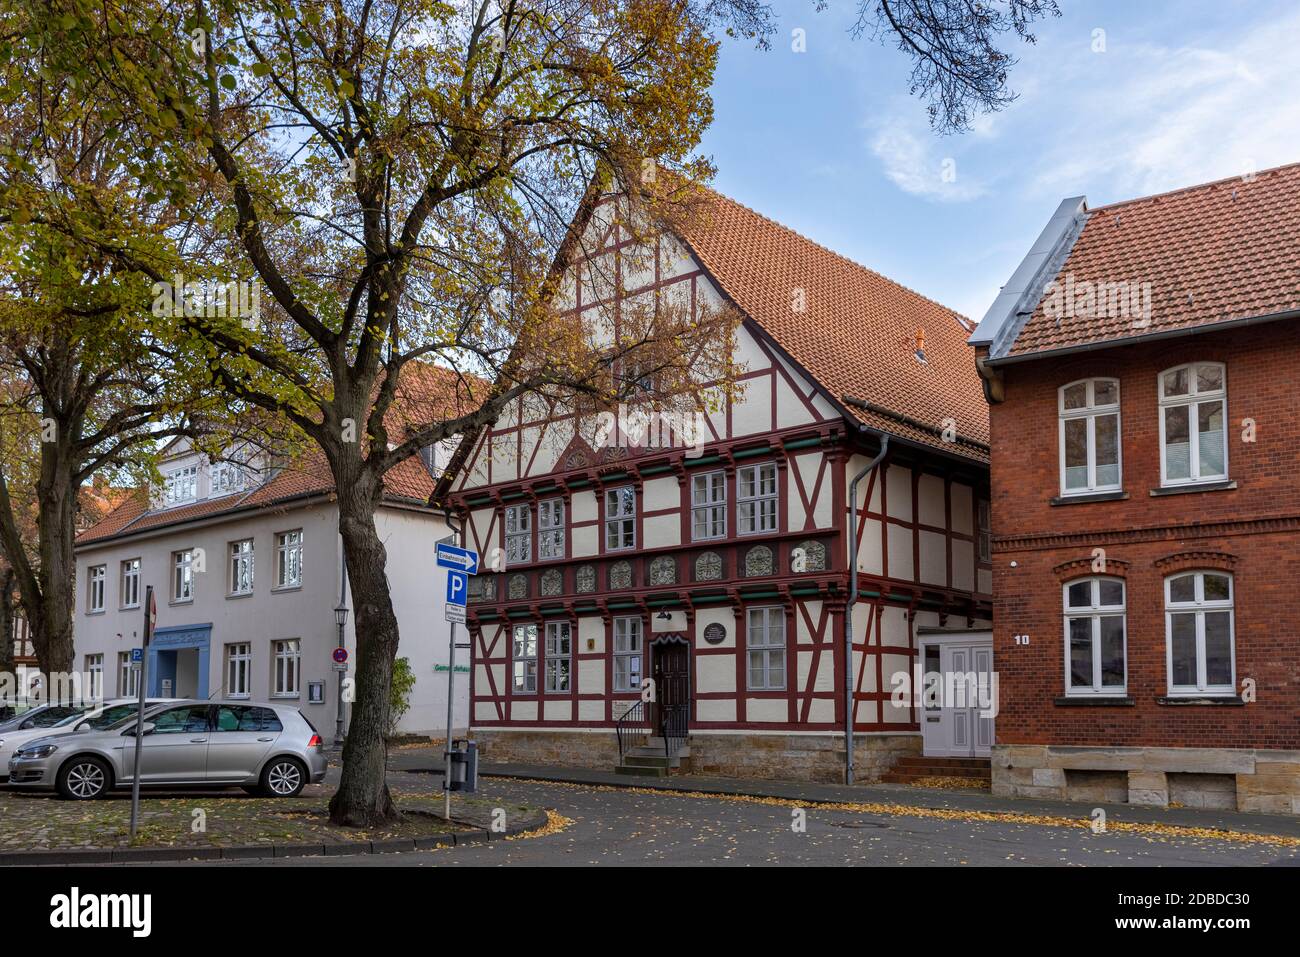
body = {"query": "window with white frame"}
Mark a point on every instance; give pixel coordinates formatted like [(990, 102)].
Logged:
[(128, 676), (708, 505), (288, 559), (183, 575), (1089, 436), (95, 677), (181, 485), (519, 534), (627, 654), (130, 584), (239, 664), (524, 656), (620, 518), (229, 477), (1199, 651), (286, 658), (1094, 636), (1193, 413), (765, 639), (241, 567), (98, 574), (756, 498), (559, 656), (550, 529)]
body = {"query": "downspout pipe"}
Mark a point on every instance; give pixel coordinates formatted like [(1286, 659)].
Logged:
[(853, 598)]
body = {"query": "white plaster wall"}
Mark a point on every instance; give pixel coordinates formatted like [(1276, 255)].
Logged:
[(306, 613)]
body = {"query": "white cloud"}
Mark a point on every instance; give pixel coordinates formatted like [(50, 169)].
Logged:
[(1140, 118), (1145, 118), (916, 164)]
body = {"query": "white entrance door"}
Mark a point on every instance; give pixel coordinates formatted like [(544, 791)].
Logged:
[(958, 696)]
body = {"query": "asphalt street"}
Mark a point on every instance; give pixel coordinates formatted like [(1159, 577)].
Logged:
[(607, 826)]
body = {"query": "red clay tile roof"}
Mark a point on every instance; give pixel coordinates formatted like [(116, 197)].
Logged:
[(858, 334), (1212, 253), (426, 390)]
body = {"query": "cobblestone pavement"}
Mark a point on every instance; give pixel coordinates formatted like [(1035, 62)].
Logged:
[(219, 817), (612, 826)]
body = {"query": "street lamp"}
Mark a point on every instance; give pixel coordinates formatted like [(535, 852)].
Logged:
[(341, 619)]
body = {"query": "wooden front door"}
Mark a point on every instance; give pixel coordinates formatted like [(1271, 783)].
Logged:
[(672, 677)]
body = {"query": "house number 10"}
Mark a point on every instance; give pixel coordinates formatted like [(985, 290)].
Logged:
[(1020, 639)]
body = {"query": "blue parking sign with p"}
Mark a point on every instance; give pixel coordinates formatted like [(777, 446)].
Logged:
[(457, 587), (137, 655)]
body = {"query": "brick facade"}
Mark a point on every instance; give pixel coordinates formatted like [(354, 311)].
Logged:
[(1251, 531)]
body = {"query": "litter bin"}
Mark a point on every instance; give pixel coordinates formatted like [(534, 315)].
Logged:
[(462, 766)]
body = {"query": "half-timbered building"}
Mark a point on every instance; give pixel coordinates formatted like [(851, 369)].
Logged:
[(719, 575)]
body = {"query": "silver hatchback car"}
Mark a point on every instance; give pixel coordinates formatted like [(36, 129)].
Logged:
[(267, 748)]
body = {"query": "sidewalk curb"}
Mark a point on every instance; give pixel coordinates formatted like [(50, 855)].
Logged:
[(157, 855)]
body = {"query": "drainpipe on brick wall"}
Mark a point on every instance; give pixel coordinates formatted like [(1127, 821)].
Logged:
[(853, 597)]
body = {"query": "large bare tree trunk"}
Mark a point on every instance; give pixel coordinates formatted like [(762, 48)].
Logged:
[(7, 621), (46, 582), (52, 626), (362, 798)]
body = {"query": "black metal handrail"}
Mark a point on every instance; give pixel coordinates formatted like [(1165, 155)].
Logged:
[(633, 729), (675, 722)]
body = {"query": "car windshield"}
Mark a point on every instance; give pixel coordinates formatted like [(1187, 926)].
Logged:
[(70, 719), (129, 718), (54, 716), (109, 717)]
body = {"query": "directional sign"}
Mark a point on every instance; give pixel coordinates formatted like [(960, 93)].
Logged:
[(461, 559), (340, 656), (457, 586)]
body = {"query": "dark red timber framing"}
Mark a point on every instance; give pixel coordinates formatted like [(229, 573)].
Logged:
[(917, 534)]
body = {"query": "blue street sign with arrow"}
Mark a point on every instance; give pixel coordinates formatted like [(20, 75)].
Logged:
[(461, 559)]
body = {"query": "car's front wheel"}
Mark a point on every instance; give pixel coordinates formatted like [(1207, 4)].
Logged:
[(84, 779), (284, 778)]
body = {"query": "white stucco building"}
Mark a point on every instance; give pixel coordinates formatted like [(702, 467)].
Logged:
[(247, 566)]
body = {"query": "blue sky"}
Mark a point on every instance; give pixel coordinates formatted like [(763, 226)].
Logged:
[(829, 142)]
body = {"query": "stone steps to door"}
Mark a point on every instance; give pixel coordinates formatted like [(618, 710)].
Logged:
[(641, 771), (920, 774), (918, 760), (911, 770)]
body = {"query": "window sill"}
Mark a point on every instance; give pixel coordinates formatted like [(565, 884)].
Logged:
[(1116, 496), (1094, 701), (180, 601), (96, 612), (286, 697), (241, 594), (281, 589), (239, 697), (135, 607), (1193, 487), (1222, 700)]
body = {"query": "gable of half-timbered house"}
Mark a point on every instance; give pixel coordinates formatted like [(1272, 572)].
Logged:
[(726, 563)]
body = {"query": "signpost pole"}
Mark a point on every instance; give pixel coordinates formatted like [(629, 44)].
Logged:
[(451, 689), (461, 564), (150, 616)]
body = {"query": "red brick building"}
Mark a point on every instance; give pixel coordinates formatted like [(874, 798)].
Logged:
[(1142, 372)]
